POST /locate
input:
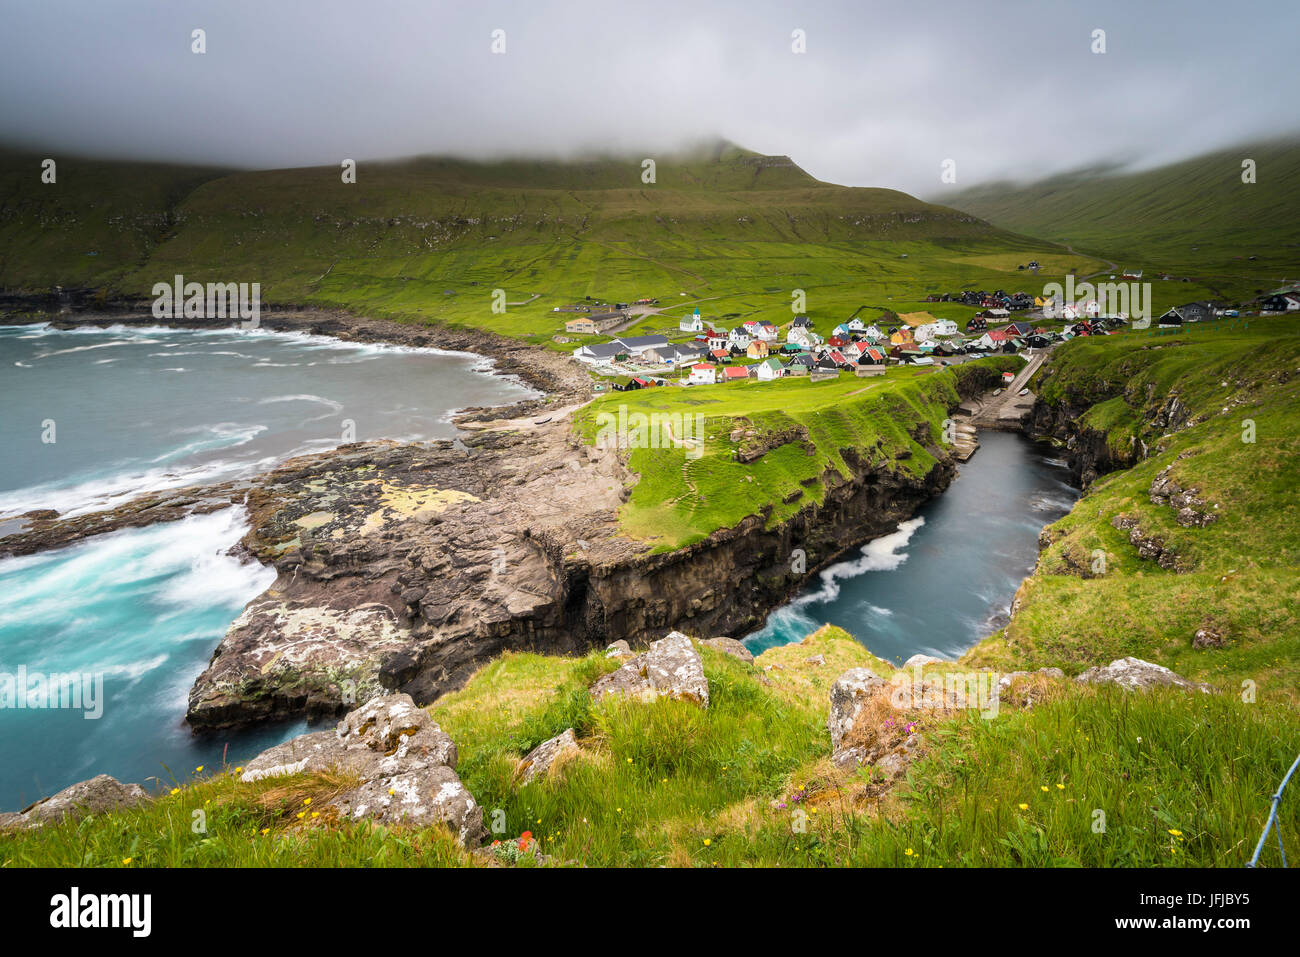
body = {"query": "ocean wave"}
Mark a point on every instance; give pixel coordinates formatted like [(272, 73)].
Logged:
[(792, 621), (96, 493), (223, 435)]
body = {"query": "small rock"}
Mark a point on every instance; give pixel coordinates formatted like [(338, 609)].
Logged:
[(1208, 638), (96, 795), (848, 694), (619, 649), (539, 760), (730, 646), (815, 660), (424, 796), (921, 660)]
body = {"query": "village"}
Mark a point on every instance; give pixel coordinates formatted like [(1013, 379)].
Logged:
[(704, 353)]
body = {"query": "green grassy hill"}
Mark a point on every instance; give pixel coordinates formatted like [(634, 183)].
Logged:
[(1233, 392), (429, 239), (1192, 217)]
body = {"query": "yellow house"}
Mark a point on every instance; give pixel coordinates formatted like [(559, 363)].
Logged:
[(583, 327), (757, 349), (903, 337)]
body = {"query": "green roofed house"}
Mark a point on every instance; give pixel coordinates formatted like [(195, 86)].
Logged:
[(770, 369)]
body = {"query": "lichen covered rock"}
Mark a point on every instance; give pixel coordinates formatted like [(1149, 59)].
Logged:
[(671, 668), (540, 760), (1134, 674), (94, 796)]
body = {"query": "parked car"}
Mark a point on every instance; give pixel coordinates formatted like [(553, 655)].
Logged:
[(1023, 392)]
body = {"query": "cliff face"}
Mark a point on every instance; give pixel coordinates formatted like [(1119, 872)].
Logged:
[(1093, 446), (406, 567)]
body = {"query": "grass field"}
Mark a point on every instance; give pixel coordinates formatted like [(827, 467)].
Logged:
[(1084, 777)]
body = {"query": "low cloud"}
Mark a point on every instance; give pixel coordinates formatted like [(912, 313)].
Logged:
[(883, 95)]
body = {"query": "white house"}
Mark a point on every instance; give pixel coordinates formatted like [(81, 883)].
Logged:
[(873, 333), (770, 369), (767, 332), (935, 330), (803, 336), (692, 323), (718, 340), (856, 325), (703, 374), (740, 336)]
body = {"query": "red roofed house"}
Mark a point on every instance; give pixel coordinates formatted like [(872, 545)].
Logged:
[(703, 374)]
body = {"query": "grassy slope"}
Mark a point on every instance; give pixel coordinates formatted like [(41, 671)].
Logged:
[(1241, 569), (430, 239), (1182, 780), (97, 223), (1154, 219), (678, 501)]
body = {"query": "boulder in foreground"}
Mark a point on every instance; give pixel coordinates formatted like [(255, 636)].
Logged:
[(94, 796), (671, 668)]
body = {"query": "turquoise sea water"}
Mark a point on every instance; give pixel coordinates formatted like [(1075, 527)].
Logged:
[(140, 611)]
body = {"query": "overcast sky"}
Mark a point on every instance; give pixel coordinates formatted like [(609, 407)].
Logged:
[(884, 93)]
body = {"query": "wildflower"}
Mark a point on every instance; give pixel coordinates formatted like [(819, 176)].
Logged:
[(1175, 832), (127, 860), (909, 852), (707, 842), (524, 840), (176, 791), (629, 760), (1043, 788), (315, 814), (1024, 807), (199, 769), (265, 831), (1060, 787), (306, 801), (239, 770), (391, 792)]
